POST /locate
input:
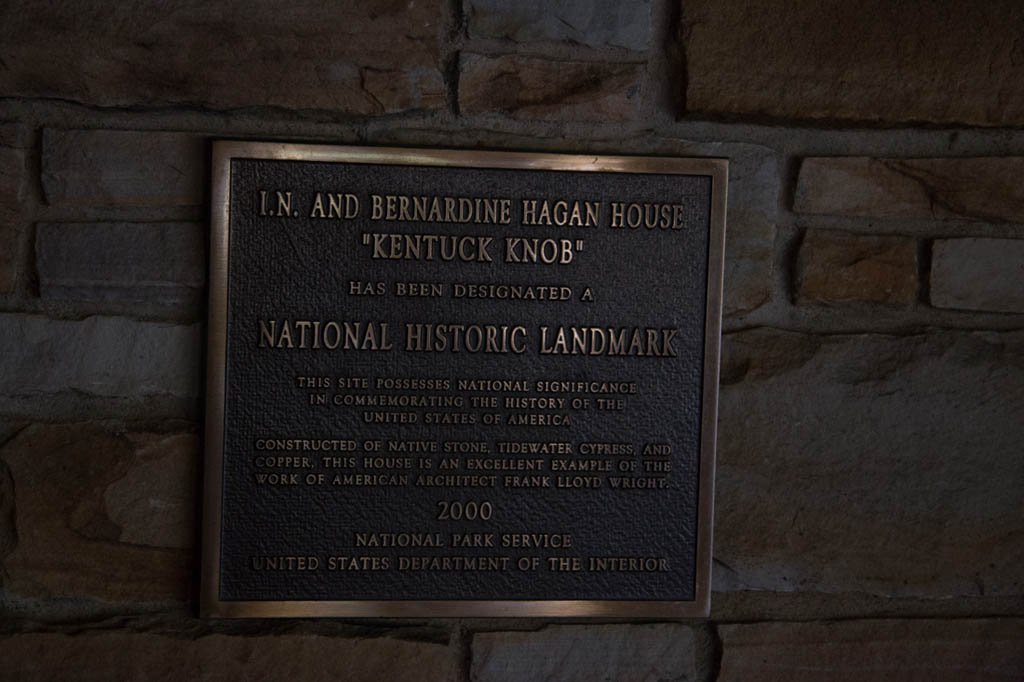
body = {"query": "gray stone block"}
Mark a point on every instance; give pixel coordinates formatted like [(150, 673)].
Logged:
[(365, 58), (123, 168), (162, 263), (583, 653), (542, 89), (978, 274), (751, 218), (123, 655), (99, 356), (13, 187), (596, 24), (8, 530)]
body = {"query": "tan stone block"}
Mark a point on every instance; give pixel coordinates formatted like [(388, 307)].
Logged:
[(875, 60), (154, 503), (983, 188), (531, 88), (81, 532), (871, 463), (838, 267), (897, 650), (102, 656)]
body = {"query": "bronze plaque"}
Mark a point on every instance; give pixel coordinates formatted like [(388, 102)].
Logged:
[(456, 383)]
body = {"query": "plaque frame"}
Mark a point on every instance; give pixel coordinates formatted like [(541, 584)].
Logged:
[(211, 606)]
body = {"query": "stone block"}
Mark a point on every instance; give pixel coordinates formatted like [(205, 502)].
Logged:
[(111, 655), (595, 24), (870, 463), (8, 531), (123, 168), (748, 265), (838, 267), (13, 187), (155, 503), (131, 262), (852, 651), (868, 61), (99, 356), (978, 274), (365, 58), (751, 217), (569, 653), (101, 514), (532, 88), (13, 135), (984, 188)]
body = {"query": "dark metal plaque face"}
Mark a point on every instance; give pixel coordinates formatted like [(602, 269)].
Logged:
[(452, 383)]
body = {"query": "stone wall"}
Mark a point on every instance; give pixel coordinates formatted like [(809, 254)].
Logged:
[(870, 491)]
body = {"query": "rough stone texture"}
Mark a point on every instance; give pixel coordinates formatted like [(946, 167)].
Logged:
[(8, 530), (13, 135), (578, 21), (13, 186), (869, 463), (983, 188), (123, 168), (897, 650), (531, 88), (748, 265), (978, 274), (353, 57), (751, 218), (837, 267), (154, 504), (123, 656), (135, 262), (624, 653), (102, 356), (69, 487), (876, 60)]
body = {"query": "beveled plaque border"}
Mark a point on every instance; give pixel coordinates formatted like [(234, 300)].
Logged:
[(211, 606)]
